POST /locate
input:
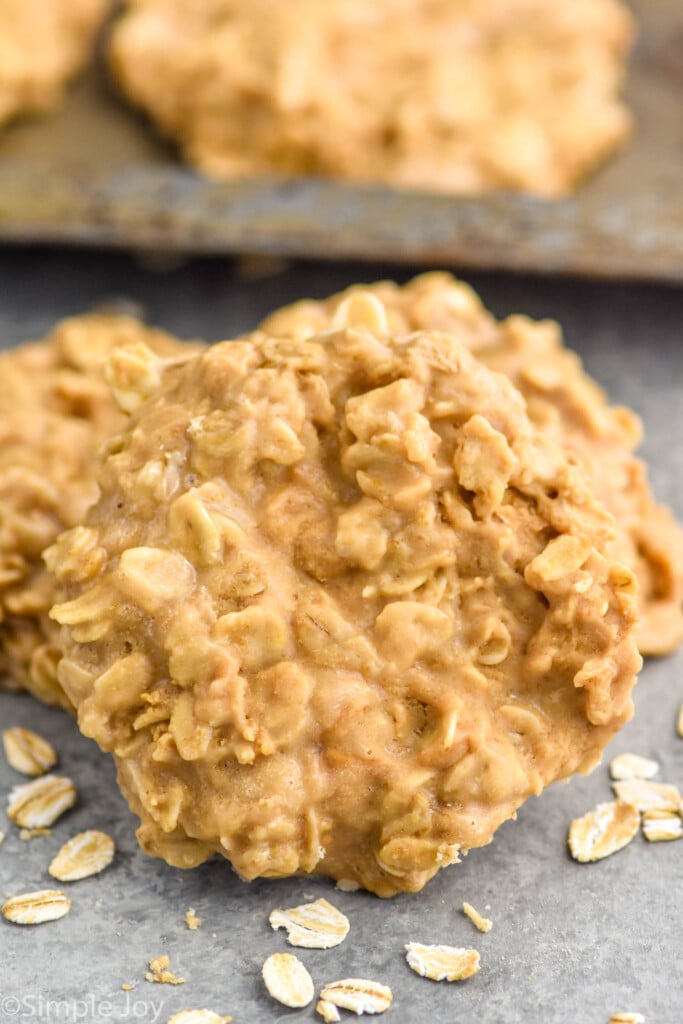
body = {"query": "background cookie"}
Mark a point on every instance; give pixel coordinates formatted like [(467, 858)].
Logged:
[(451, 95), (565, 403), (340, 608), (42, 44), (56, 411)]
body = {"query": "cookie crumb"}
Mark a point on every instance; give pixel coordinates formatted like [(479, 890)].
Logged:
[(159, 972), (191, 920), (482, 923)]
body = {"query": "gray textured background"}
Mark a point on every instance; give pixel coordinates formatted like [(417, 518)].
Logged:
[(570, 944)]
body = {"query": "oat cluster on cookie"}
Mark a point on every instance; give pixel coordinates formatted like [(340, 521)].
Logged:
[(57, 410)]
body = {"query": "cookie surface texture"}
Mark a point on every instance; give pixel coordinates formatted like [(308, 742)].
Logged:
[(450, 95), (352, 609), (566, 404), (42, 45), (56, 411)]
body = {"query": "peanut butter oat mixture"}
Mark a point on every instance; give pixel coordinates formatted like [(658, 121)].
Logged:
[(340, 608), (56, 411), (564, 403), (462, 96), (42, 45)]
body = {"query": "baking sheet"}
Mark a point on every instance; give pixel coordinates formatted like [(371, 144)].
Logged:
[(96, 174), (571, 944)]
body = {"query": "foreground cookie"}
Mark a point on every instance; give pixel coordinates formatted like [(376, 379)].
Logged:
[(56, 411), (340, 607), (439, 94), (563, 402), (42, 45)]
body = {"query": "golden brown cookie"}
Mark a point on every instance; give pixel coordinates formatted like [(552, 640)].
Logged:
[(56, 412), (42, 45), (341, 608), (565, 403), (460, 96)]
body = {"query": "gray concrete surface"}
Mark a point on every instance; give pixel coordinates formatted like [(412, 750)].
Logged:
[(571, 944)]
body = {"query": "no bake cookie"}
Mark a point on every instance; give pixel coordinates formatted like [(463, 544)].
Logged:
[(462, 96), (42, 45), (341, 607)]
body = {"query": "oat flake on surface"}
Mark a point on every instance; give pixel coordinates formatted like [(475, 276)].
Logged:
[(627, 1018), (84, 855), (661, 825), (679, 722), (328, 1011), (26, 834), (360, 995), (287, 980), (480, 922), (442, 963), (601, 832), (632, 766), (27, 752), (316, 925), (38, 804), (645, 795), (36, 907)]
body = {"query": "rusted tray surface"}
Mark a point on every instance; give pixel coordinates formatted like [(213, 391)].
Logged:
[(96, 174)]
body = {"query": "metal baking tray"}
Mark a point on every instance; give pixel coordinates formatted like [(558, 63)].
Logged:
[(96, 174)]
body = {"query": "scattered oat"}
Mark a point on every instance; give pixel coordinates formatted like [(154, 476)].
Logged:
[(627, 1018), (38, 804), (603, 831), (632, 766), (287, 980), (358, 995), (191, 920), (127, 987), (36, 907), (442, 963), (316, 925), (328, 1011), (27, 752), (660, 825), (34, 833), (645, 795), (160, 972), (86, 854), (2, 838), (482, 923), (347, 885), (198, 1017), (679, 722)]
